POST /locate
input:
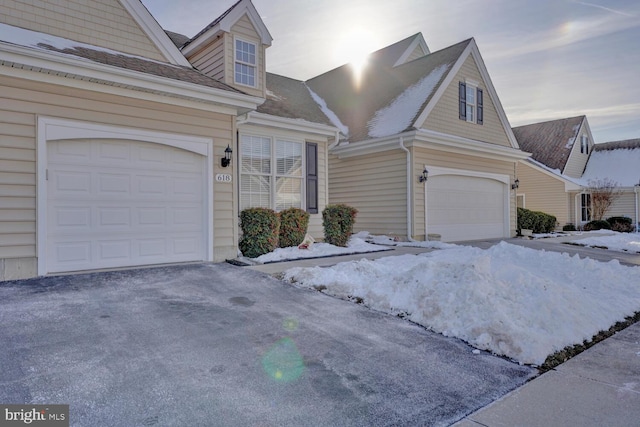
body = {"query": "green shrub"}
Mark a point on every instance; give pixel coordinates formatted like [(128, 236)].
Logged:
[(598, 224), (622, 224), (569, 227), (539, 222), (260, 230), (338, 221), (293, 227)]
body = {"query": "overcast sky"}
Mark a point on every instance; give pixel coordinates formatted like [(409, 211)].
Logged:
[(548, 59)]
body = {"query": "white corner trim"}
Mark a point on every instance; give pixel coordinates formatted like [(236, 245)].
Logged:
[(51, 129), (153, 30)]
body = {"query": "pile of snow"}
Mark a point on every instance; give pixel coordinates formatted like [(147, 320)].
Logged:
[(356, 245), (390, 241), (622, 242), (513, 301)]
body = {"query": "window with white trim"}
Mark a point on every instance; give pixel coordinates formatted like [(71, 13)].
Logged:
[(585, 207), (271, 173), (245, 63), (584, 144), (471, 102)]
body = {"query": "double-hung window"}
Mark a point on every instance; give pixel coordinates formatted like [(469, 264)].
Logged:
[(584, 144), (245, 63), (272, 173), (471, 102), (585, 207)]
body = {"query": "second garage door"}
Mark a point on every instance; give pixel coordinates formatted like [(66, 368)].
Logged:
[(466, 208), (116, 203)]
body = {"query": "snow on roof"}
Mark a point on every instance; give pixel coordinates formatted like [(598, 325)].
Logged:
[(620, 165), (399, 115), (327, 111)]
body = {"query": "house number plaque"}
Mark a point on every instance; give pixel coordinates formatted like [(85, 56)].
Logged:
[(223, 177)]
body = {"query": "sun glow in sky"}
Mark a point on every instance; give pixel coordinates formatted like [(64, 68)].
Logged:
[(548, 59)]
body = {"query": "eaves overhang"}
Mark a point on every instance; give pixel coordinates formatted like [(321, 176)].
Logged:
[(267, 120), (105, 77)]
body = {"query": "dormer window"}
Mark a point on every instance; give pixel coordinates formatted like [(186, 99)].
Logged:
[(584, 144), (245, 63)]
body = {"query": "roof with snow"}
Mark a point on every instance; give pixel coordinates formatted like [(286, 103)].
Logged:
[(618, 160), (389, 98), (291, 99), (550, 142), (46, 42)]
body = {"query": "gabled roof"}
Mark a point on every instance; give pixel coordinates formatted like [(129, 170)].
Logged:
[(550, 142), (178, 39), (618, 161), (290, 98), (388, 99), (224, 23)]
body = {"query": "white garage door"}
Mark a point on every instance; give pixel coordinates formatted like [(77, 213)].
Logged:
[(466, 208), (115, 203)]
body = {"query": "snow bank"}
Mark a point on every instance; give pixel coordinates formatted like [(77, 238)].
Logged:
[(622, 242), (513, 301), (356, 245)]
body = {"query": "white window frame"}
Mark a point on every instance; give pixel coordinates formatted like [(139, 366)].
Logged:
[(471, 88), (584, 144), (585, 209), (238, 61), (273, 174)]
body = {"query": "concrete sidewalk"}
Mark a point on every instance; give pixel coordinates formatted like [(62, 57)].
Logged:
[(599, 387)]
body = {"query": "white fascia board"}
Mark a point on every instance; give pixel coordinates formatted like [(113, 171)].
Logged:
[(370, 146), (568, 185), (84, 68), (471, 49), (299, 125), (457, 144), (418, 41), (153, 30)]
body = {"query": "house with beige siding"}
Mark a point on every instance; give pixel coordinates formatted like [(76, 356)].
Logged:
[(110, 142), (425, 148), (565, 163)]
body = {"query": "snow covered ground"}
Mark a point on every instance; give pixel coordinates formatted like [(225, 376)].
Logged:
[(622, 242), (513, 301)]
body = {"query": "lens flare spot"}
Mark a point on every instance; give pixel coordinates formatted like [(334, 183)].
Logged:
[(290, 324), (283, 361)]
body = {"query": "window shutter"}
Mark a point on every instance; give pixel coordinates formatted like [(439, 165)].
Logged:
[(462, 97), (312, 178), (480, 112)]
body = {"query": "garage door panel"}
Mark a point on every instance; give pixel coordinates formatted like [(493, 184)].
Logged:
[(466, 207), (123, 213)]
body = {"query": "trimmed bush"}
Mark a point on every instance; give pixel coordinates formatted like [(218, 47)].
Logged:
[(539, 222), (622, 224), (598, 224), (260, 231), (569, 227), (293, 227), (338, 221)]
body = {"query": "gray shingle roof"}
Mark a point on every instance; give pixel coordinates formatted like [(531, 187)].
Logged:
[(214, 23), (381, 83), (291, 99), (178, 39), (549, 142), (628, 144)]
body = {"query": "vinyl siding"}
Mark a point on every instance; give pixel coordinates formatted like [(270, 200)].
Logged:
[(429, 157), (623, 206), (577, 161), (417, 53), (544, 193), (20, 104), (104, 23), (210, 59), (444, 117), (315, 220), (375, 184), (245, 30)]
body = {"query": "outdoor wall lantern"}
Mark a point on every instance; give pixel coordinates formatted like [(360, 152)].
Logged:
[(424, 176), (515, 184), (226, 160)]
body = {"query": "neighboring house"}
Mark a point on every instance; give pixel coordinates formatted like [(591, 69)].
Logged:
[(414, 110), (564, 161), (110, 142)]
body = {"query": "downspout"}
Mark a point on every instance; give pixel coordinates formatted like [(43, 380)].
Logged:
[(635, 190), (326, 167), (409, 215)]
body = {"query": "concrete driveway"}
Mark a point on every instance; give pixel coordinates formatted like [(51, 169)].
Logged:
[(214, 344)]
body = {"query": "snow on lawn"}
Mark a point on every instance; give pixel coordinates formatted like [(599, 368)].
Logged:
[(623, 242), (514, 301), (355, 245), (389, 241)]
